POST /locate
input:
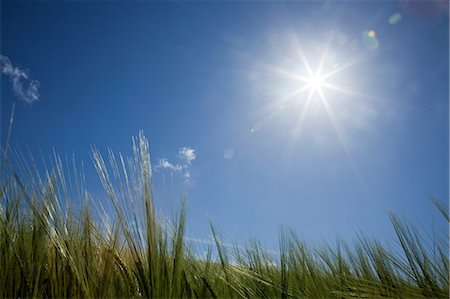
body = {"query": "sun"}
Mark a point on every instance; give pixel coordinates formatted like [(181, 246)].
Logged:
[(318, 84), (315, 83)]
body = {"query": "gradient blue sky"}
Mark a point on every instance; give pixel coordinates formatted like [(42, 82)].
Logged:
[(220, 78)]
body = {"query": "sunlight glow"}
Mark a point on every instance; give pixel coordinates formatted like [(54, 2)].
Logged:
[(314, 87), (315, 83)]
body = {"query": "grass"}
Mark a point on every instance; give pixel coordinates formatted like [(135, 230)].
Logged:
[(49, 248)]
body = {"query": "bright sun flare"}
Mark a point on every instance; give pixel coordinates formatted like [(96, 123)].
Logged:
[(315, 83)]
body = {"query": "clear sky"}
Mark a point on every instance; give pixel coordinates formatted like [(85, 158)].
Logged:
[(318, 116)]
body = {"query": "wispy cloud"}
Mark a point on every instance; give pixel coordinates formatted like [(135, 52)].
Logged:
[(165, 164), (23, 86), (187, 154)]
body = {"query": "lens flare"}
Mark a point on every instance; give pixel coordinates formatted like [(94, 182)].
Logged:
[(395, 18), (370, 40)]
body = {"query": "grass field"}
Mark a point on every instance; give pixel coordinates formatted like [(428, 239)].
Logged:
[(50, 248)]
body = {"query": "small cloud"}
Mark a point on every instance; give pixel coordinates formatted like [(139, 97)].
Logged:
[(187, 154), (165, 164), (20, 79), (228, 153)]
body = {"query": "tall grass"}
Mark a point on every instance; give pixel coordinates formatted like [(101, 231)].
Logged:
[(51, 248)]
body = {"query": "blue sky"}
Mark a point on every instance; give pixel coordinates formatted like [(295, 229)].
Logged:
[(269, 143)]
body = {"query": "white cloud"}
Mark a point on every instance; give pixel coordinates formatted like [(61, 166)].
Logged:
[(187, 154), (165, 164), (19, 79)]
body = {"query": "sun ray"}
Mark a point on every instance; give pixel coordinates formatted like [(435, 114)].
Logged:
[(346, 65), (340, 133), (294, 93), (337, 128), (298, 126), (283, 73), (281, 101), (357, 94), (325, 54), (301, 54), (352, 93)]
